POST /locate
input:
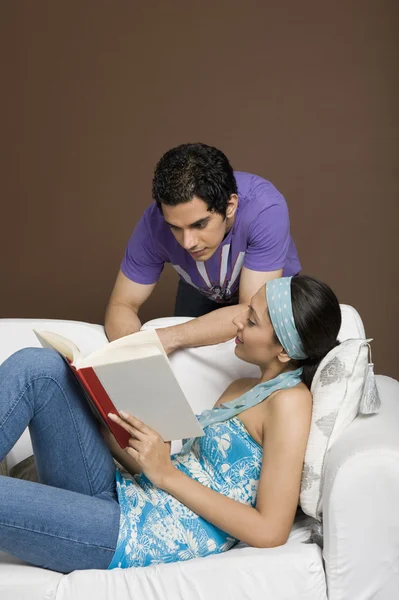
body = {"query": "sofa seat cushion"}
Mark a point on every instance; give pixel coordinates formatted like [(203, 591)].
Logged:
[(294, 570)]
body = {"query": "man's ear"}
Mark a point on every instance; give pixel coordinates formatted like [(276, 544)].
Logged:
[(232, 205)]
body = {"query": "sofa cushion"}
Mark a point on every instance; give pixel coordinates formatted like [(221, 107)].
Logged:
[(336, 388), (294, 570)]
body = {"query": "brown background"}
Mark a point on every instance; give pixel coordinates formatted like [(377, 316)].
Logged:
[(302, 93)]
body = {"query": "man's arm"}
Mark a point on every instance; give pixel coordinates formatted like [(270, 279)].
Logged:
[(121, 317), (217, 326)]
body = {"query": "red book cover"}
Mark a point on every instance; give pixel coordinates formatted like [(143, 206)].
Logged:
[(101, 401)]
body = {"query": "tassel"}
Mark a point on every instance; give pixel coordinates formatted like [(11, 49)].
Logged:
[(370, 402), (316, 535)]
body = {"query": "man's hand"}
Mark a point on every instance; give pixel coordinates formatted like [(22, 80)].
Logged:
[(169, 338)]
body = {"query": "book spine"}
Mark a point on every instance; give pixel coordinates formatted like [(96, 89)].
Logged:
[(102, 402)]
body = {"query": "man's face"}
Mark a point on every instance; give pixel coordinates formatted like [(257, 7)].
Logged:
[(197, 230)]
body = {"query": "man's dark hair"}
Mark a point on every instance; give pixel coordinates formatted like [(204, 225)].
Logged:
[(194, 170)]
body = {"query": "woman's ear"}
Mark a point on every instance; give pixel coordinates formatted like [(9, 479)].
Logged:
[(283, 356)]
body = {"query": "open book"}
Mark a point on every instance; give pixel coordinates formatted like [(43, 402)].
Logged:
[(132, 374)]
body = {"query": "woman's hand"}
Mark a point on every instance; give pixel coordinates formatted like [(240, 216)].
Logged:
[(147, 448)]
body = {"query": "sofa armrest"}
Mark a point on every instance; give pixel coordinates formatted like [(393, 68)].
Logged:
[(360, 504)]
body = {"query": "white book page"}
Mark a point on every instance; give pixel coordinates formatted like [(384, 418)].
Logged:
[(148, 389), (125, 348), (61, 344), (119, 354)]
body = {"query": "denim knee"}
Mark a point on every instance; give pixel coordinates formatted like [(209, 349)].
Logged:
[(37, 361)]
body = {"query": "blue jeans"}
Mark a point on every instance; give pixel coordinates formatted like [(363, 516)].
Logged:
[(70, 520)]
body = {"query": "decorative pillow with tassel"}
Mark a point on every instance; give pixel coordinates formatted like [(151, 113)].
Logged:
[(343, 386)]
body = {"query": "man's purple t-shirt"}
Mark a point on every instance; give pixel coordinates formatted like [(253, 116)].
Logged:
[(259, 240)]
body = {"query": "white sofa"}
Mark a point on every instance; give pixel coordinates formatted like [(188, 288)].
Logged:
[(360, 559)]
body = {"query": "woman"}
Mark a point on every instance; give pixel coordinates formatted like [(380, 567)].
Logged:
[(240, 481)]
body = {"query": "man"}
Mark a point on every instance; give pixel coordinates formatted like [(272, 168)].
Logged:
[(226, 233)]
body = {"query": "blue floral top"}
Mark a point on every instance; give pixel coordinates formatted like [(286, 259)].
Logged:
[(157, 528)]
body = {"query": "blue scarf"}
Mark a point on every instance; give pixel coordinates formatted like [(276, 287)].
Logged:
[(254, 396)]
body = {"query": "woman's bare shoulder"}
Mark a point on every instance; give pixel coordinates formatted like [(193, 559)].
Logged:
[(295, 400)]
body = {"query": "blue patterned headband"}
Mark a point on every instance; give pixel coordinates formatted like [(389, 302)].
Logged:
[(278, 295)]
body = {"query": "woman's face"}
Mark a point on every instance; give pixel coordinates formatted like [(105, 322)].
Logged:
[(255, 341)]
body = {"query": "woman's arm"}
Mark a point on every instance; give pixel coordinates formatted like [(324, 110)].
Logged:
[(269, 524), (286, 431)]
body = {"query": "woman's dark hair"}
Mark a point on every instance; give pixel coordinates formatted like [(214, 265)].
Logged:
[(317, 317), (194, 170)]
